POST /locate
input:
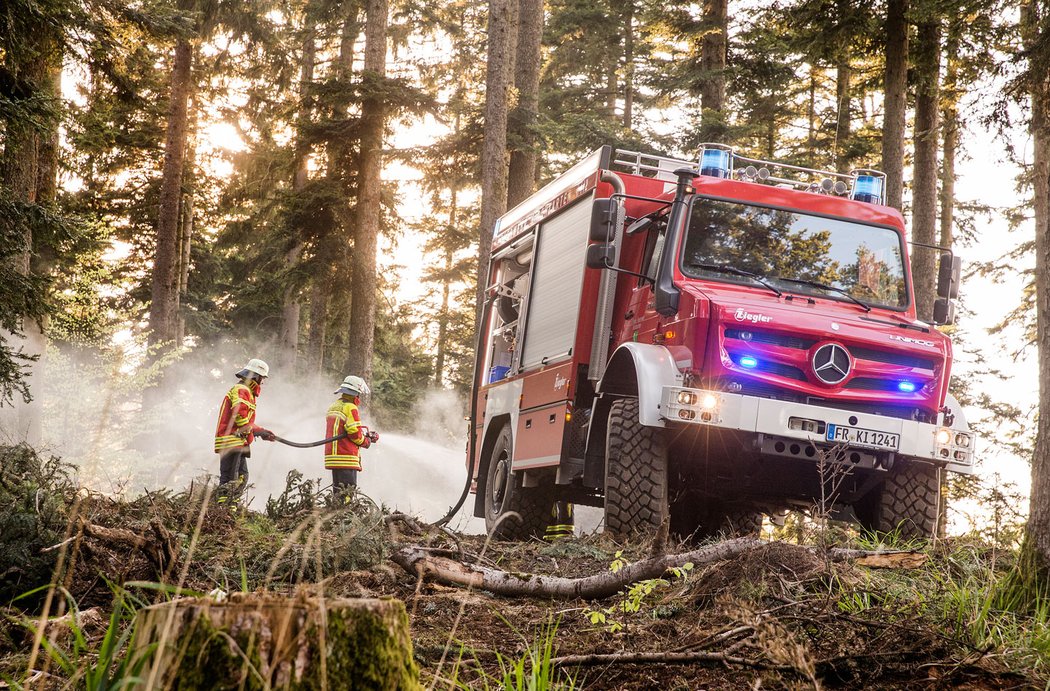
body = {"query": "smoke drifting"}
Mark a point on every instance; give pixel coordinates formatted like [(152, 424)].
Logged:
[(93, 416)]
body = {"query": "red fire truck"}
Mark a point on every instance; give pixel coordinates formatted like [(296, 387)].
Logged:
[(706, 342)]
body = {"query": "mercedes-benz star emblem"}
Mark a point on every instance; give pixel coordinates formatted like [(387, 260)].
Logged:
[(831, 363)]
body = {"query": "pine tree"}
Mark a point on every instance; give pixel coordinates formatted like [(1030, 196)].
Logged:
[(368, 215)]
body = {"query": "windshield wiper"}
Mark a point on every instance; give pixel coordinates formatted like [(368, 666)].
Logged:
[(825, 286), (726, 269)]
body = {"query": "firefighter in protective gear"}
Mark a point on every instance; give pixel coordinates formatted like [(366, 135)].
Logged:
[(342, 456), (562, 522), (236, 430)]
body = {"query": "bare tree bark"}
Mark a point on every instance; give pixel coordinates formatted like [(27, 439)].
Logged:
[(524, 156), (369, 201), (924, 185), (713, 48), (186, 211), (164, 291), (895, 82), (501, 47)]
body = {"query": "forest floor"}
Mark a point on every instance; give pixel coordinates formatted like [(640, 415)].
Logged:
[(777, 615)]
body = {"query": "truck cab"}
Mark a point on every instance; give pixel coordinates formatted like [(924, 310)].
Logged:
[(711, 341)]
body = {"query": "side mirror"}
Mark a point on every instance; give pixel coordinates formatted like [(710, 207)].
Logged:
[(943, 312), (949, 276), (600, 256), (604, 216)]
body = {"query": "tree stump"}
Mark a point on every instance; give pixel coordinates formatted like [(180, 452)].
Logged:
[(265, 641)]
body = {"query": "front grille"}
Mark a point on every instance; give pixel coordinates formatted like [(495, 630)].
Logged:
[(872, 384), (771, 338), (902, 359)]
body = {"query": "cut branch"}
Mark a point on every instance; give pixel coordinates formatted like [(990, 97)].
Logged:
[(425, 563)]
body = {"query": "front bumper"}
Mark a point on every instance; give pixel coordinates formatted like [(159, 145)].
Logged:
[(800, 429)]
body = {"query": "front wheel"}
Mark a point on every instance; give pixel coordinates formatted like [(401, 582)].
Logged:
[(906, 503), (505, 495), (636, 478)]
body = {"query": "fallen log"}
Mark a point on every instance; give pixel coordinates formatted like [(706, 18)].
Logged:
[(266, 641), (424, 563)]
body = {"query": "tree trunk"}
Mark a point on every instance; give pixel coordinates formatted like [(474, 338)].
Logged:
[(949, 133), (713, 48), (185, 241), (314, 356), (524, 155), (165, 290), (842, 115), (628, 66), (811, 113), (369, 200), (895, 82), (1034, 561), (263, 641), (924, 197), (29, 175), (288, 338), (501, 47)]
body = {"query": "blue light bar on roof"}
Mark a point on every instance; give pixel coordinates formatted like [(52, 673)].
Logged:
[(867, 188), (715, 162)]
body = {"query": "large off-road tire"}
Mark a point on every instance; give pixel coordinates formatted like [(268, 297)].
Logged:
[(906, 504), (636, 477), (504, 494), (740, 521)]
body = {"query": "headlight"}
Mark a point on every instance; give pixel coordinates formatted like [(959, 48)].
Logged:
[(944, 435), (686, 397), (962, 440), (710, 402)]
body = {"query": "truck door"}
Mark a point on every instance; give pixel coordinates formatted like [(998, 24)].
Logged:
[(641, 319)]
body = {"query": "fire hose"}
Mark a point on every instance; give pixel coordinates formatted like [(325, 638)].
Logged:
[(373, 437)]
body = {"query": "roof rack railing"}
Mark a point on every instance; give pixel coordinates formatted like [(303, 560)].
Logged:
[(720, 160), (862, 184)]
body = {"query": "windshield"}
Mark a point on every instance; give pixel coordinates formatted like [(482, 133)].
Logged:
[(861, 260)]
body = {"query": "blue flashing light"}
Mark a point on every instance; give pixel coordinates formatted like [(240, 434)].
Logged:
[(748, 362), (715, 162), (906, 386), (868, 188)]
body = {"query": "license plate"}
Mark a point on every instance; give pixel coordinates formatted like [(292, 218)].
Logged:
[(858, 436)]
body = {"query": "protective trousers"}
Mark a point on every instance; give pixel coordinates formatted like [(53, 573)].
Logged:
[(233, 476), (344, 483), (562, 523)]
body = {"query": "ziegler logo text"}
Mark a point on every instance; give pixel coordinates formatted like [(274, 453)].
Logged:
[(743, 315)]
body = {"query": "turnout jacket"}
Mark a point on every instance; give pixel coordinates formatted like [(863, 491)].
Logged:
[(343, 416), (236, 427)]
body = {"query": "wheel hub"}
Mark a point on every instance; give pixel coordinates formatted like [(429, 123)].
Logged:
[(499, 484)]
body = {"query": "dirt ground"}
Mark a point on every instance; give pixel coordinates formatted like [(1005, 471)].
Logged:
[(779, 615)]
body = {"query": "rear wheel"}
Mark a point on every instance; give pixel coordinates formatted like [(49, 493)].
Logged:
[(504, 494), (906, 504), (636, 476)]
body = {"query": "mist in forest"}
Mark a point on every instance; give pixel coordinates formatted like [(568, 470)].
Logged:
[(93, 411)]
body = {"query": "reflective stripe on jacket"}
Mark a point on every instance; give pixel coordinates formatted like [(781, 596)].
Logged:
[(343, 416), (236, 414)]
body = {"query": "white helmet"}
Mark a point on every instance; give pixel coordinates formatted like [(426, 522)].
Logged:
[(355, 386), (254, 366)]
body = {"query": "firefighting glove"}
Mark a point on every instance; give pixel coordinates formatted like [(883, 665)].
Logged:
[(266, 434), (373, 437), (366, 442)]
